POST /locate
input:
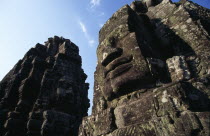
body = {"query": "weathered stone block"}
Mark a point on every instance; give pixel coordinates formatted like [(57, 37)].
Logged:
[(178, 68), (134, 112), (135, 130), (99, 124), (152, 103)]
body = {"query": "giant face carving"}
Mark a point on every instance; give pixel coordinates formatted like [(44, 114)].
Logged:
[(121, 66)]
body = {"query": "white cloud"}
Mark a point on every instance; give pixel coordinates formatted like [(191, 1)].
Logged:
[(84, 30), (91, 42), (101, 14), (95, 3)]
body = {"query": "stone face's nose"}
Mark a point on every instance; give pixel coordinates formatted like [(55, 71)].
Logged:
[(109, 54)]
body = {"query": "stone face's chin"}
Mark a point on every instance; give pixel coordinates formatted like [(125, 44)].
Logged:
[(128, 81)]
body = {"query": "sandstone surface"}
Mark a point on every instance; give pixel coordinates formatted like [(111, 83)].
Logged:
[(153, 72)]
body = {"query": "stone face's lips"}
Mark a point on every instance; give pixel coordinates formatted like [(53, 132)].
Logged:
[(117, 63), (120, 69)]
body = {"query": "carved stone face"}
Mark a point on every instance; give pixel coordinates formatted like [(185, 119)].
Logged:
[(65, 89), (56, 123), (121, 66)]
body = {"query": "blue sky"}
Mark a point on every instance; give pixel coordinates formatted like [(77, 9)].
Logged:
[(27, 22)]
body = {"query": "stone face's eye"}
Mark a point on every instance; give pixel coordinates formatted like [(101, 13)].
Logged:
[(110, 55)]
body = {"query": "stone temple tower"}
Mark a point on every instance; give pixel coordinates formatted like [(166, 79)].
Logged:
[(45, 94), (153, 72)]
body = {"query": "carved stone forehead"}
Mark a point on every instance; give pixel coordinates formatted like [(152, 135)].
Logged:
[(117, 34), (118, 20)]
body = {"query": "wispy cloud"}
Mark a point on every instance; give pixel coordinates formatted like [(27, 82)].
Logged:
[(84, 30), (91, 42), (95, 3), (101, 14)]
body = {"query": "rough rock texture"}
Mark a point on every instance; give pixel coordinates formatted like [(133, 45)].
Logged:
[(45, 93), (153, 72), (178, 68)]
